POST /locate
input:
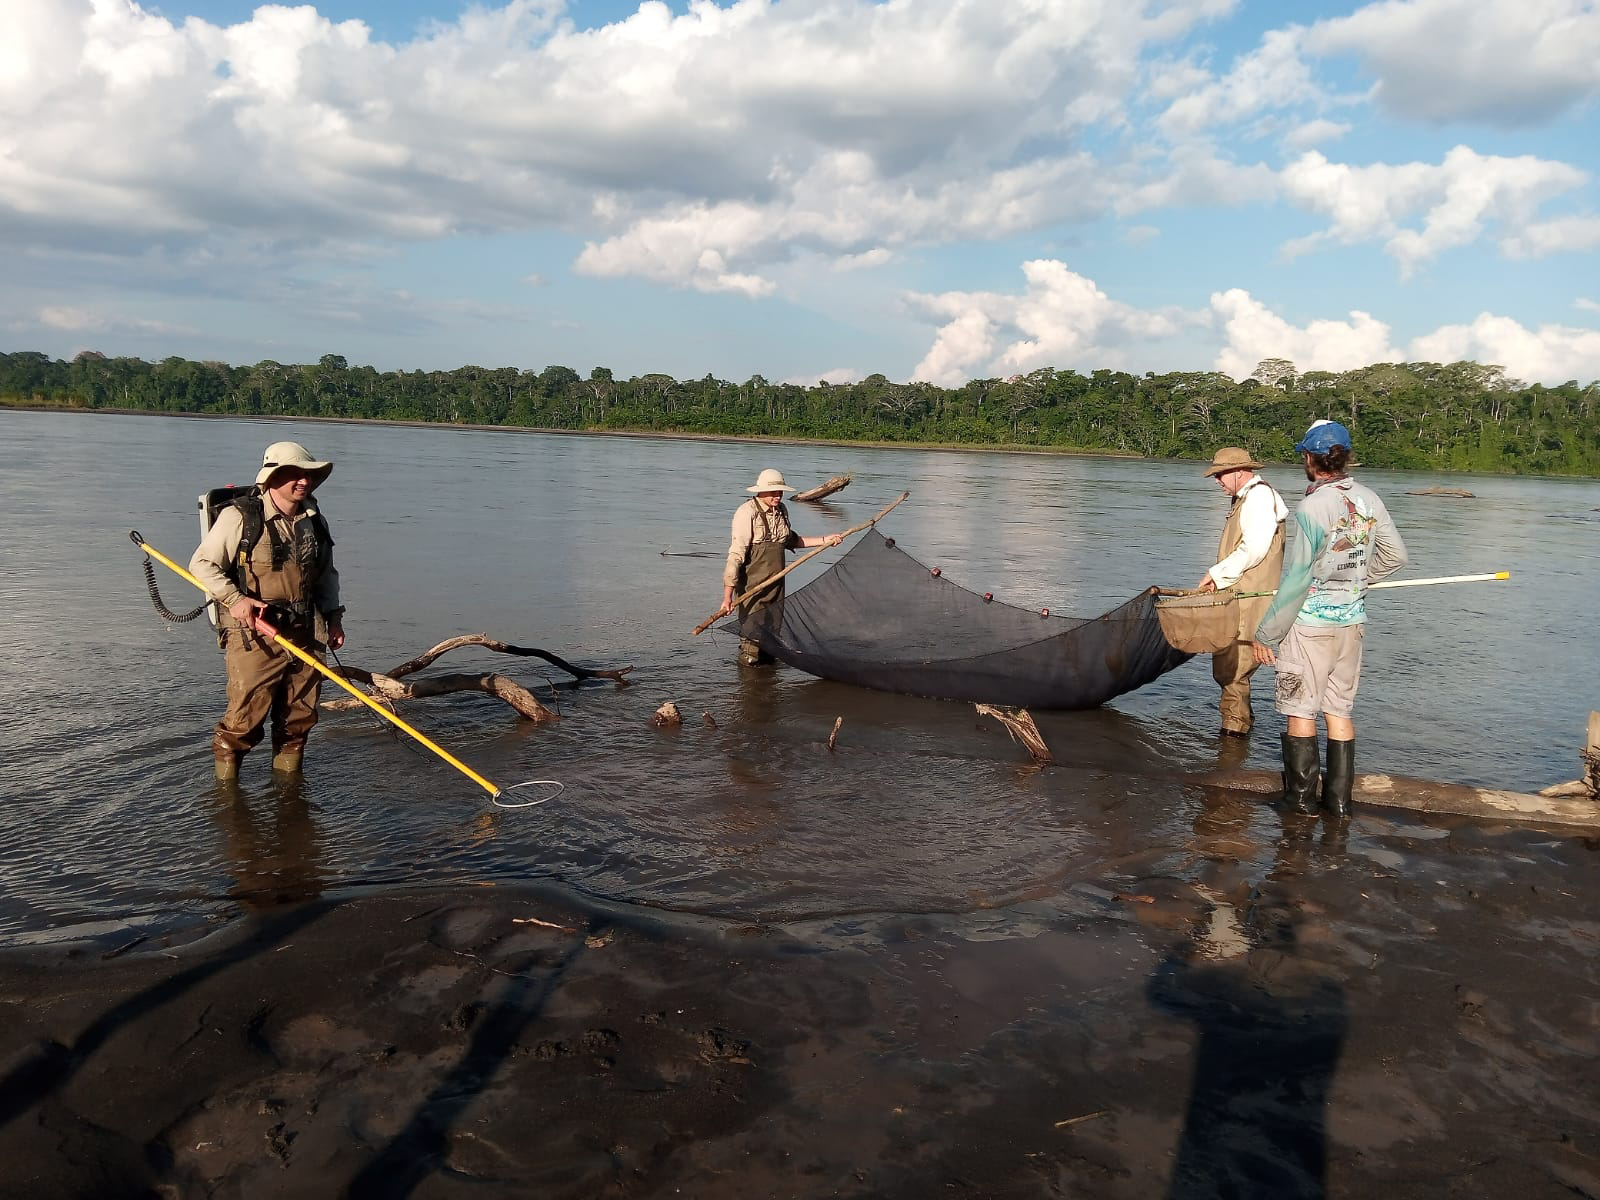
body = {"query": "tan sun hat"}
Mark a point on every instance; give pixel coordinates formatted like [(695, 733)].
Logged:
[(292, 454), (770, 481), (1230, 458)]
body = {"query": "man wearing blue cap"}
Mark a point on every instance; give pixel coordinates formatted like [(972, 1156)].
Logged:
[(1312, 632)]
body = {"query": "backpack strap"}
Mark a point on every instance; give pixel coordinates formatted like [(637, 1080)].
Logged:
[(253, 513)]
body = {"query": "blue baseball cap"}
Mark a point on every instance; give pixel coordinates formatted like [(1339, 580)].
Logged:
[(1322, 437)]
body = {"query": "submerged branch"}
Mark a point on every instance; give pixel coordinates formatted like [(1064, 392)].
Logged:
[(489, 643), (386, 689)]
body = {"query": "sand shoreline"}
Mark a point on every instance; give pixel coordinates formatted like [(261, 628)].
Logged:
[(1413, 1035)]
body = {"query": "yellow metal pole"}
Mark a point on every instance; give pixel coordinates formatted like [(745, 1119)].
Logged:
[(339, 679)]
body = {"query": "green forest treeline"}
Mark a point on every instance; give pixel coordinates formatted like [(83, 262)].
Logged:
[(1455, 416)]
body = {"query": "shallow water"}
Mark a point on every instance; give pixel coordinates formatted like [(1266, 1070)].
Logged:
[(607, 551)]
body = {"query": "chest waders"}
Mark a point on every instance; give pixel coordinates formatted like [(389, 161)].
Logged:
[(764, 560), (1233, 666)]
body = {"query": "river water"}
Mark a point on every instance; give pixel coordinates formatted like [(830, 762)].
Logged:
[(607, 551)]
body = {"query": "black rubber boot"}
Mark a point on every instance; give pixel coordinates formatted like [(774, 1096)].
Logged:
[(1301, 771), (1338, 779)]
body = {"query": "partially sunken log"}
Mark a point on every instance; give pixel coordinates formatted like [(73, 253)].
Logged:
[(1021, 727), (837, 483), (1589, 786), (387, 690), (1443, 491), (386, 686), (499, 647)]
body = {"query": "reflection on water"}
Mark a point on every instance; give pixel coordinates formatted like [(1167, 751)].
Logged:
[(270, 842), (922, 806)]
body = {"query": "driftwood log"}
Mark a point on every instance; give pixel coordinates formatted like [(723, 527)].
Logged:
[(388, 687), (1020, 725), (1589, 786), (837, 483), (1443, 491)]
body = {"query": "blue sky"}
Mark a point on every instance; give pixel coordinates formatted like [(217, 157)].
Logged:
[(805, 189)]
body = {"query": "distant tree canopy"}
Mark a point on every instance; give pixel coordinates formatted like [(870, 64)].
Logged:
[(1447, 416)]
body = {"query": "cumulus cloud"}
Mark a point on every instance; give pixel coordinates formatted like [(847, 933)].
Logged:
[(1549, 354), (1563, 235), (1455, 60), (1061, 319), (1314, 133), (846, 125), (1273, 76), (1454, 200), (1253, 332)]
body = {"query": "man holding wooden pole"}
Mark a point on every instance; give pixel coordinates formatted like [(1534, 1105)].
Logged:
[(761, 535), (1312, 633)]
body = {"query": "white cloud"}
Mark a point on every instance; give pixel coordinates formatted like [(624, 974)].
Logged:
[(1564, 235), (1587, 304), (1549, 354), (1271, 77), (1314, 133), (1453, 60), (69, 319), (876, 257), (847, 126), (1062, 319), (1253, 332), (1455, 200)]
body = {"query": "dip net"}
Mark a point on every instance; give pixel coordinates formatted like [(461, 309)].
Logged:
[(881, 619), (1200, 622)]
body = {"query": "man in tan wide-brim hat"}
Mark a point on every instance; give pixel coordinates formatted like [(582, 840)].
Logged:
[(1249, 559), (271, 547), (761, 535)]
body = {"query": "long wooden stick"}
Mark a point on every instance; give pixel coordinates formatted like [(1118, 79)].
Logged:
[(766, 583)]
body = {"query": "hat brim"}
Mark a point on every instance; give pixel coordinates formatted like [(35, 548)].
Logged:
[(319, 472), (758, 489), (1213, 471)]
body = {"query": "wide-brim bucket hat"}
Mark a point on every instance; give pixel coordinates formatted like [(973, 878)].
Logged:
[(1230, 458), (770, 481), (292, 454)]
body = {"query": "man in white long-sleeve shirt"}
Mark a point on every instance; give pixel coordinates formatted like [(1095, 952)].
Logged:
[(1250, 558)]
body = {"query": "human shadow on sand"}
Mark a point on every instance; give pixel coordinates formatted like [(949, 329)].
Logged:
[(1271, 1026), (422, 1147), (273, 867)]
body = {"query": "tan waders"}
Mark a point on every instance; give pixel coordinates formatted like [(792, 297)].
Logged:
[(264, 681), (1232, 668), (765, 561)]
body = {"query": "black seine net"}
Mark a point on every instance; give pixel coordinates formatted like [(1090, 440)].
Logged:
[(881, 619)]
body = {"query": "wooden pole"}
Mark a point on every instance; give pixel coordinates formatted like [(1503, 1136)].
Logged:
[(766, 583)]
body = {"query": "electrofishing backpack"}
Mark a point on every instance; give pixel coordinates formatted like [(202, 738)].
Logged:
[(247, 499)]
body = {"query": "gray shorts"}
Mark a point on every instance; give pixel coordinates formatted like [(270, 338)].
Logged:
[(1319, 669)]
